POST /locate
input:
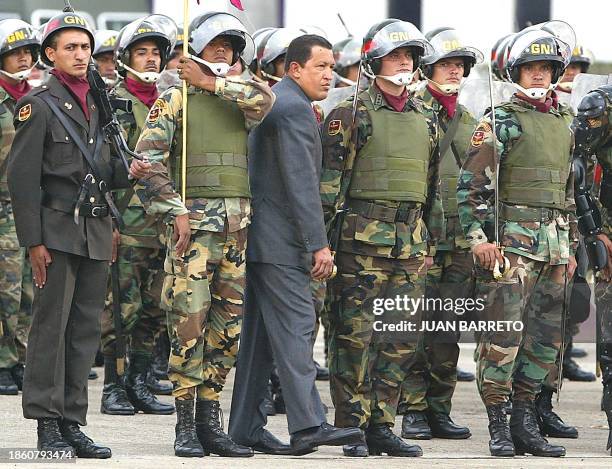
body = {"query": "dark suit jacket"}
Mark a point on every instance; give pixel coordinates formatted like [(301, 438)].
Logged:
[(44, 158), (285, 156)]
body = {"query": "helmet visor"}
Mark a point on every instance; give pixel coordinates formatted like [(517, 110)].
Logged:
[(149, 25), (395, 35), (531, 46), (350, 54), (16, 33), (217, 25)]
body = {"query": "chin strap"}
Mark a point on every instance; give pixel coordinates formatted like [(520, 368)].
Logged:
[(220, 69), (270, 77), (399, 79), (535, 93), (344, 80), (147, 77), (18, 76), (448, 89), (566, 86)]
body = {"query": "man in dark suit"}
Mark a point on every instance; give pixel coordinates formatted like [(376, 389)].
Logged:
[(62, 218), (287, 245)]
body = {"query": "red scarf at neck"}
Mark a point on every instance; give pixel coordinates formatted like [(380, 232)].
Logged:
[(145, 92), (448, 102), (551, 101), (396, 102), (78, 88), (17, 91)]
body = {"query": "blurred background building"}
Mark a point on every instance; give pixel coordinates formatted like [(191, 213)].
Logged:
[(481, 22)]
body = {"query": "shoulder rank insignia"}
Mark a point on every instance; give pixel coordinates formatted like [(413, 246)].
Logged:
[(25, 112)]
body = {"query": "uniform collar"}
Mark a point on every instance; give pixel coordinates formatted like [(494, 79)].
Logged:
[(530, 107), (378, 99)]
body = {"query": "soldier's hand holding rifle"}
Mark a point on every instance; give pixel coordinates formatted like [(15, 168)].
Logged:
[(486, 254)]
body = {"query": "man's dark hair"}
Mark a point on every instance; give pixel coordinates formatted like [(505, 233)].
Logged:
[(300, 49)]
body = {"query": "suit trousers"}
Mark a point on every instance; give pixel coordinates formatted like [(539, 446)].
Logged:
[(64, 337), (278, 328)]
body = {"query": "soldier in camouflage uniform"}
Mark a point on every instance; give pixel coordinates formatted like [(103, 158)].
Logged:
[(428, 390), (533, 146), (205, 264), (392, 215), (19, 50), (142, 50)]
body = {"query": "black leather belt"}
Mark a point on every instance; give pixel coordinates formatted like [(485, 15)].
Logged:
[(405, 212), (62, 204)]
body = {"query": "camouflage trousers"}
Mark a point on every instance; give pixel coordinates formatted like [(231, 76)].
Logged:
[(15, 292), (432, 380), (203, 295), (320, 299), (514, 362), (367, 369), (141, 277)]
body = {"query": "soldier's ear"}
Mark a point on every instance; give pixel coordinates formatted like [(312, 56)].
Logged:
[(50, 51)]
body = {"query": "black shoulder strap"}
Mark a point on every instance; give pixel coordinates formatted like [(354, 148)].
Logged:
[(89, 157), (449, 135)]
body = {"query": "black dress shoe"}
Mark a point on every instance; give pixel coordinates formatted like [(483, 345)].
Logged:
[(465, 376), (381, 439), (356, 451), (306, 441), (269, 444), (17, 372), (8, 387), (415, 426), (442, 426), (83, 445), (573, 372), (322, 372)]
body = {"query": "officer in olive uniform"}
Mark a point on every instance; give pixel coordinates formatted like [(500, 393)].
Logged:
[(141, 51), (19, 50), (62, 216)]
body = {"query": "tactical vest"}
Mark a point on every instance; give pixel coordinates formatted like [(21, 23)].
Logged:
[(7, 134), (449, 170), (393, 163), (535, 170), (217, 149)]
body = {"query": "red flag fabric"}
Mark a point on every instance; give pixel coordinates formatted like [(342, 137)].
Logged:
[(236, 3)]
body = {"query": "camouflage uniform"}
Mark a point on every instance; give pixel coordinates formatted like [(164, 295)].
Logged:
[(538, 238), (379, 256), (14, 320), (140, 257), (434, 376), (203, 291)]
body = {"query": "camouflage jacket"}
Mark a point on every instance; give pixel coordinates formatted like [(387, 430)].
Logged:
[(453, 237), (369, 236), (551, 241), (7, 133), (160, 137), (140, 229)]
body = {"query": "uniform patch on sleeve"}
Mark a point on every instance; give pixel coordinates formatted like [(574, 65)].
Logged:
[(334, 127), (479, 134), (158, 108), (24, 113)]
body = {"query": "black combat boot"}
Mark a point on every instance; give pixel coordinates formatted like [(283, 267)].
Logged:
[(268, 403), (17, 372), (209, 428), (160, 357), (573, 372), (8, 387), (550, 423), (526, 434), (606, 403), (137, 390), (322, 372), (186, 442), (156, 386), (381, 439), (277, 393), (114, 398), (355, 451), (442, 426), (500, 443), (50, 439), (415, 426), (83, 445), (93, 374)]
